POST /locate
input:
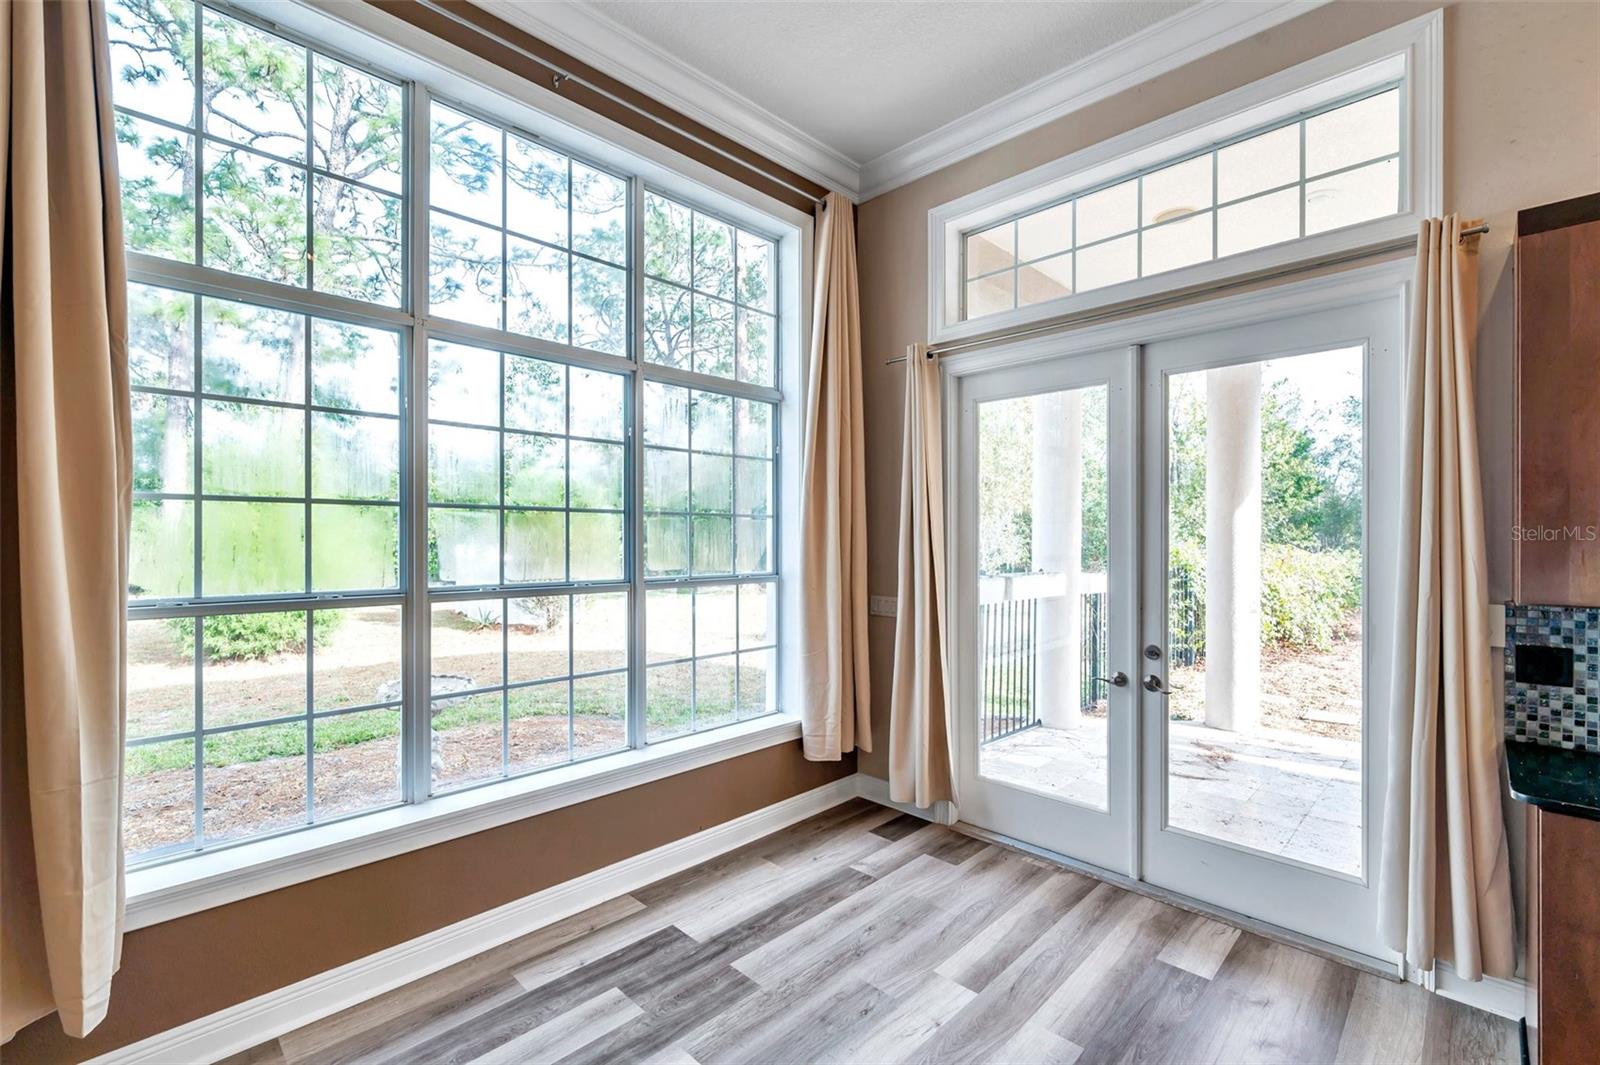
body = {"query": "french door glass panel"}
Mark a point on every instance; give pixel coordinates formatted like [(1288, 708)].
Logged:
[(1042, 607)]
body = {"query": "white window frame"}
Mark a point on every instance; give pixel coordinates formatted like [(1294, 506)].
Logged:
[(169, 887), (1410, 54)]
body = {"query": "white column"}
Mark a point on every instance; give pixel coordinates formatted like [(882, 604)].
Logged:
[(1233, 547), (1058, 549)]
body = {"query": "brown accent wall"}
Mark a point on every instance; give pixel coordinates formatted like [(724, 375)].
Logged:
[(193, 966), (447, 29), (1522, 127)]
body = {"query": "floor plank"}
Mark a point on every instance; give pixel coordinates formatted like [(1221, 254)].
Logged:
[(866, 935)]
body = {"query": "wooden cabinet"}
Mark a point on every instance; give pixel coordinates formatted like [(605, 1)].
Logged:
[(1564, 940), (1558, 404)]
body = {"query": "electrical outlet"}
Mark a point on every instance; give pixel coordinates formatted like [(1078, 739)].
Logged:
[(882, 606)]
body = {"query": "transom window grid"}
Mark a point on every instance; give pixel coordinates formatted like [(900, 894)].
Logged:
[(205, 629), (1003, 267)]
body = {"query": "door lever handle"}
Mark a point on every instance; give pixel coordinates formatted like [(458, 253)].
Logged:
[(1118, 679), (1152, 683)]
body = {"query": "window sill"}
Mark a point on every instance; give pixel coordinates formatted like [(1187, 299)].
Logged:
[(165, 892)]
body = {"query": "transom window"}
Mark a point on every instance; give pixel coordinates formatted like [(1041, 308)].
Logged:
[(1334, 168), (404, 514)]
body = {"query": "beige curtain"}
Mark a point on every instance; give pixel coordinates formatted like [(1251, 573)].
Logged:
[(1444, 882), (919, 736), (836, 696), (63, 330)]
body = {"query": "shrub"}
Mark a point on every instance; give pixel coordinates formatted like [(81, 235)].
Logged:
[(1307, 597), (237, 637)]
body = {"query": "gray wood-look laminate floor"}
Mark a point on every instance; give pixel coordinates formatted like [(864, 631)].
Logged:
[(863, 935)]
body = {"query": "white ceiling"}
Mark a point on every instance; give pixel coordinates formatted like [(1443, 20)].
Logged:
[(864, 78), (863, 96)]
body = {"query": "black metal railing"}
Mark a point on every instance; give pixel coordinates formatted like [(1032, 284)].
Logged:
[(1010, 667), (1186, 621), (1092, 662)]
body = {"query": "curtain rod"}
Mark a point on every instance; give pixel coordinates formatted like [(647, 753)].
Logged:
[(1177, 297), (562, 74)]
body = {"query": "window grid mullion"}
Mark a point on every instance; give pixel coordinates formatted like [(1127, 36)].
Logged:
[(634, 523)]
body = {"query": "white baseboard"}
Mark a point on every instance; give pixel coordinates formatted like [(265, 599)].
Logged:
[(268, 1016), (876, 789), (1505, 998)]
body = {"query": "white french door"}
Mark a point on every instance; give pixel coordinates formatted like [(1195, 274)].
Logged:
[(1206, 515), (1047, 603)]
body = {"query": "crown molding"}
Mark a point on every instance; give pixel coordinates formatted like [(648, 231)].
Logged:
[(1207, 27), (592, 38)]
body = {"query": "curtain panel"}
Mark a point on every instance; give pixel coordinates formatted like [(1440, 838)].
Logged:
[(66, 507), (835, 689), (919, 731), (1444, 879)]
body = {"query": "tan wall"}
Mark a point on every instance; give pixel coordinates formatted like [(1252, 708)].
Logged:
[(1522, 120), (183, 969)]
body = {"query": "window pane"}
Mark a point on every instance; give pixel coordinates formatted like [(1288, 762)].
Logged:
[(754, 549), (356, 124), (757, 344), (160, 337), (711, 481), (357, 242), (713, 336), (463, 271), (463, 547), (158, 798), (666, 415), (757, 627), (757, 687), (600, 714), (536, 542), (251, 450), (669, 624), (666, 239), (255, 87), (596, 547), (163, 443), (715, 620), (536, 290), (755, 272), (1046, 279), (596, 475), (536, 395), (255, 667), (711, 423), (354, 548), (538, 638), (597, 404), (666, 322), (1260, 163), (248, 197), (713, 257), (754, 427), (161, 549), (463, 465), (754, 487), (1256, 223), (255, 782), (991, 295), (1353, 196), (1176, 191), (253, 548), (356, 367), (465, 640), (160, 677), (152, 58), (464, 384), (155, 165), (600, 628), (536, 196), (713, 545), (356, 657), (354, 457), (1044, 232), (599, 214), (1108, 212), (355, 763), (714, 695), (599, 307), (465, 174), (992, 249), (666, 480), (1177, 244), (666, 546), (467, 736), (536, 471), (253, 352), (1108, 263), (539, 733), (669, 701), (1354, 133)]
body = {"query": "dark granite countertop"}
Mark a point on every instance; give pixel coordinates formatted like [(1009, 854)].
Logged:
[(1554, 778)]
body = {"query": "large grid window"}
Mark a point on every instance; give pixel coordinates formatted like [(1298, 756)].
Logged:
[(1335, 168), (400, 511)]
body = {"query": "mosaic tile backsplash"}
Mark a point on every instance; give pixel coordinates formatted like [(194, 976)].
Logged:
[(1556, 716)]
